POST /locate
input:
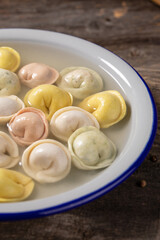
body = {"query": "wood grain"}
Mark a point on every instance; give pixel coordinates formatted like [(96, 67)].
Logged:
[(130, 29)]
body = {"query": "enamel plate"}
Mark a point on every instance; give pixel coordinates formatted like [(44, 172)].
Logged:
[(133, 136)]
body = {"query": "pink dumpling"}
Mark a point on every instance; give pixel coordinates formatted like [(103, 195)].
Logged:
[(35, 74), (28, 125)]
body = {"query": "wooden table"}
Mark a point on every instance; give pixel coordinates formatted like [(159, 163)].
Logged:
[(131, 29)]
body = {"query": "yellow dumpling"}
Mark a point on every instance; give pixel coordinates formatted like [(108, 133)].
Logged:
[(48, 98), (9, 59), (108, 107), (14, 186)]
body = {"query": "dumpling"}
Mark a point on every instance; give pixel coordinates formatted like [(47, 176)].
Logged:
[(48, 98), (9, 105), (35, 74), (9, 59), (9, 153), (66, 120), (107, 107), (14, 186), (46, 161), (91, 149), (80, 81), (28, 125), (9, 83)]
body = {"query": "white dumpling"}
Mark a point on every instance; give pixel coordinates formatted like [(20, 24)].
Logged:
[(9, 153), (91, 149), (46, 161), (9, 105), (9, 83), (80, 81), (67, 120)]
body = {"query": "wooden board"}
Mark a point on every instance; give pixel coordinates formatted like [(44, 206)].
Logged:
[(130, 29)]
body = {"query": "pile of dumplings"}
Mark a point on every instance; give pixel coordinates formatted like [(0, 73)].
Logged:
[(49, 108)]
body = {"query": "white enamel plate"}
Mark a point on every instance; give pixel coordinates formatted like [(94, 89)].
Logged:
[(133, 136)]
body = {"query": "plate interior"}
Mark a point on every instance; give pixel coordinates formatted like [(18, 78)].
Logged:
[(60, 57)]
